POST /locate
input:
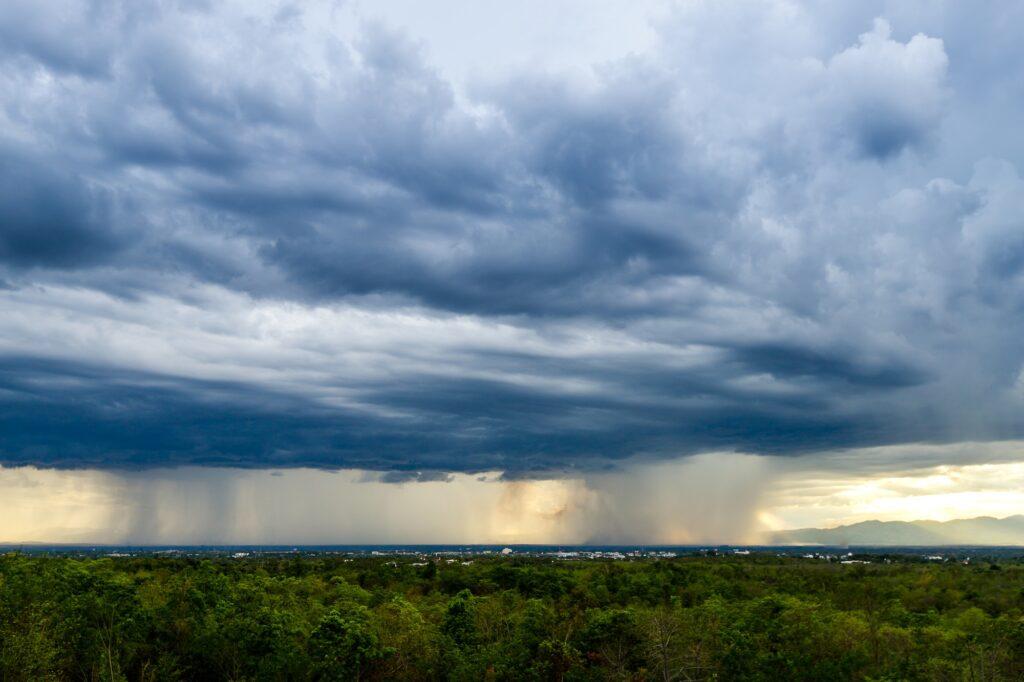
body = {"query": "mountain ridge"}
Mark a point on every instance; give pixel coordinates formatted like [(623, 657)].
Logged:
[(980, 530)]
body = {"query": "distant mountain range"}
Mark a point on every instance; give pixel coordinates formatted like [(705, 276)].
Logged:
[(983, 530)]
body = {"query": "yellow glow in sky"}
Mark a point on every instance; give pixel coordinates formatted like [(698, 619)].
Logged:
[(708, 498), (940, 494)]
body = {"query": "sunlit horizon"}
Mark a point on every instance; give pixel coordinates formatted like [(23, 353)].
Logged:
[(716, 498)]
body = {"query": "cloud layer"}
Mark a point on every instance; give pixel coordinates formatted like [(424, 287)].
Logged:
[(279, 235)]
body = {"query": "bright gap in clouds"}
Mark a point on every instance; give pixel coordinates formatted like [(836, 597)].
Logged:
[(534, 34), (942, 493)]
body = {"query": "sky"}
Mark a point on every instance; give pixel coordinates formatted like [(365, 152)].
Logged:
[(487, 271)]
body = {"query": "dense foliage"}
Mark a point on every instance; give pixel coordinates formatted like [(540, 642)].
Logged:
[(335, 618)]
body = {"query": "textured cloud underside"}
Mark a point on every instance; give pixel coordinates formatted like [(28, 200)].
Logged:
[(262, 235)]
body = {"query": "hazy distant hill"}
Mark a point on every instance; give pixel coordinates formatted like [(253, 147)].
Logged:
[(984, 530)]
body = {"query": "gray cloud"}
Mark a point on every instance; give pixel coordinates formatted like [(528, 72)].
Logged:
[(51, 219), (244, 236)]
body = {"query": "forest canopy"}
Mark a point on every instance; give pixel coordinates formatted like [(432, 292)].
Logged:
[(520, 618)]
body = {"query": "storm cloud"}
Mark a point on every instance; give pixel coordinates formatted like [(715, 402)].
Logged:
[(273, 235)]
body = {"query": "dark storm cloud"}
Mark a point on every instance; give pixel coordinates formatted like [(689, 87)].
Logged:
[(74, 415), (415, 477), (51, 219), (831, 366), (229, 236)]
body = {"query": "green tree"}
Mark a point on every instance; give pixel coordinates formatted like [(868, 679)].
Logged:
[(344, 646), (459, 620), (611, 639)]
